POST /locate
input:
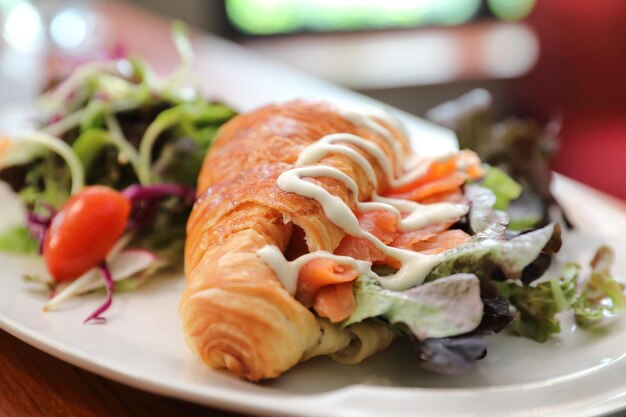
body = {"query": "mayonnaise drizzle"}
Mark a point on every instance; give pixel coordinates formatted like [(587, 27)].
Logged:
[(420, 214), (287, 271), (364, 120), (415, 266)]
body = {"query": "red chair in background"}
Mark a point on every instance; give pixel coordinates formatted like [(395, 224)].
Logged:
[(581, 76)]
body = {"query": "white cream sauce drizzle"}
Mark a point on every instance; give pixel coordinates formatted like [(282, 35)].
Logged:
[(404, 161), (415, 266), (366, 121), (420, 214), (287, 271)]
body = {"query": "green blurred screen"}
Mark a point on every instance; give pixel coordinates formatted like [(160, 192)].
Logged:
[(269, 17)]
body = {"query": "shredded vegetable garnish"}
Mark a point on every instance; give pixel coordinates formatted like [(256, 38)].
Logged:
[(138, 193), (63, 150), (166, 120), (38, 225), (124, 265), (180, 37), (127, 153), (60, 125), (146, 200), (110, 288)]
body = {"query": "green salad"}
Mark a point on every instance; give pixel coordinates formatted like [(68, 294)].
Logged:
[(113, 127)]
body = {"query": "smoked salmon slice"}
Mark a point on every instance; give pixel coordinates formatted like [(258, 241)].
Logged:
[(382, 224), (435, 171), (446, 184), (335, 302), (454, 197), (441, 242), (319, 273)]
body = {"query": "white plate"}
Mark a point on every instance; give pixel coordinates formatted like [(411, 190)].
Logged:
[(578, 373)]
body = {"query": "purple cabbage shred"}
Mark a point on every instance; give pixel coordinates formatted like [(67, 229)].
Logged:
[(38, 224), (110, 288), (145, 199)]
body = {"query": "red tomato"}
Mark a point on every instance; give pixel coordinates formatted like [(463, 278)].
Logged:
[(84, 231)]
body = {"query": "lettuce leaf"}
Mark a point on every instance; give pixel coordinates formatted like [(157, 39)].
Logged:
[(493, 252), (458, 354), (504, 187), (18, 240), (538, 305), (46, 181), (497, 314), (450, 356), (489, 255), (446, 307), (600, 295), (89, 144), (597, 297), (482, 214)]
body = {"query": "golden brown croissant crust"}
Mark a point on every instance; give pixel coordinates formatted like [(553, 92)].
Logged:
[(235, 312)]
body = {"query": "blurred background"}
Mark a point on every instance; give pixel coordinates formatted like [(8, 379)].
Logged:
[(561, 60)]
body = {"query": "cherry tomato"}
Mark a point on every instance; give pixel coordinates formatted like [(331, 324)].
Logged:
[(84, 231)]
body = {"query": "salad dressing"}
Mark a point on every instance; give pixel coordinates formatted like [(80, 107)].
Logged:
[(415, 266), (370, 123), (288, 271), (420, 215)]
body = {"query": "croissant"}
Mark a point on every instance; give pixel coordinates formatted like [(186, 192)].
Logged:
[(235, 311)]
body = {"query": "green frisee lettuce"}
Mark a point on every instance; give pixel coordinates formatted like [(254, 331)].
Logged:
[(536, 306), (597, 297)]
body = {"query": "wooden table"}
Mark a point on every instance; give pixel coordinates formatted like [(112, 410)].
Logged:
[(35, 384)]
